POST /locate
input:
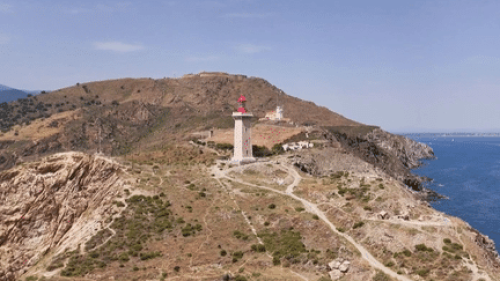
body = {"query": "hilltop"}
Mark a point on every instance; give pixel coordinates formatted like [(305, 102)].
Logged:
[(8, 94), (123, 180)]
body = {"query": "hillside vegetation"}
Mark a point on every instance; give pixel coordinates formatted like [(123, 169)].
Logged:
[(117, 180)]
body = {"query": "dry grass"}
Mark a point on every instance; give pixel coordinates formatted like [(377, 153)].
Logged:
[(39, 128), (262, 135)]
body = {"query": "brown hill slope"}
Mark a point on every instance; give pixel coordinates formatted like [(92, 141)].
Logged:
[(121, 116)]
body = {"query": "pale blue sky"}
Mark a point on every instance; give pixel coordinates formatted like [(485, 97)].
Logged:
[(403, 65)]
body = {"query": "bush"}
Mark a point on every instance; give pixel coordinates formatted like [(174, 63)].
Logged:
[(407, 252), (149, 255), (238, 255), (261, 248), (240, 278), (94, 255), (272, 206), (31, 278), (315, 217), (358, 225), (423, 248), (240, 235), (123, 257), (223, 253), (277, 149), (258, 248), (299, 209), (260, 151), (224, 146), (423, 272), (286, 244), (447, 240), (276, 260), (177, 268), (380, 276)]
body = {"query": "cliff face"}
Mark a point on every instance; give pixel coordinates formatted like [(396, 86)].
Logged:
[(394, 154), (53, 204)]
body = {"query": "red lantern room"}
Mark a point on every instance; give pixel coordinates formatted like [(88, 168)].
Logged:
[(242, 100)]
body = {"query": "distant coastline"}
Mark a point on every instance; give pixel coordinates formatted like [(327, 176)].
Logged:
[(448, 135)]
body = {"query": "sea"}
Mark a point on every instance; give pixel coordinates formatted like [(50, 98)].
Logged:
[(467, 172)]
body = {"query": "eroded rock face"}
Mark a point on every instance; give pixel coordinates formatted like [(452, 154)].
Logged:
[(488, 245), (61, 200), (408, 151)]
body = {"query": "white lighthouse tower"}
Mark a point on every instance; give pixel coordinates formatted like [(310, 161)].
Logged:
[(242, 134)]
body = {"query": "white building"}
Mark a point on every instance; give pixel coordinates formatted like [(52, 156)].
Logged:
[(242, 134), (275, 115)]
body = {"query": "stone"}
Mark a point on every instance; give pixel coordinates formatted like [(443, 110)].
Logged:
[(334, 264), (344, 267), (335, 274), (383, 215)]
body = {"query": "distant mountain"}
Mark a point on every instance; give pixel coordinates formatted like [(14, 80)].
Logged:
[(4, 88), (8, 94)]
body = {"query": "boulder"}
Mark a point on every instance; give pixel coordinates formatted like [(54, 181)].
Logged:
[(335, 274), (344, 267), (383, 215)]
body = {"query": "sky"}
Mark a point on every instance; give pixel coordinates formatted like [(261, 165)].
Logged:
[(407, 66)]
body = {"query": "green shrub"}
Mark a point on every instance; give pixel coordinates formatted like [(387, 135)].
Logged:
[(340, 229), (380, 276), (407, 252), (358, 225), (135, 268), (457, 247), (261, 248), (223, 253), (258, 248), (124, 257), (286, 244), (423, 248), (267, 223), (277, 149), (276, 260), (238, 254), (299, 209), (272, 206), (423, 272), (240, 235), (447, 240), (177, 268), (389, 264), (31, 278), (94, 255), (224, 146), (260, 151), (315, 217), (149, 255), (240, 278)]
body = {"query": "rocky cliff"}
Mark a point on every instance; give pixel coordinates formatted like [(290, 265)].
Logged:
[(54, 204)]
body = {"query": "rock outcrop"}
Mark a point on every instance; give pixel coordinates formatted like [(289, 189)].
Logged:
[(60, 201)]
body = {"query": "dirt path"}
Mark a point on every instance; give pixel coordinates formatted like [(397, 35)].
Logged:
[(313, 208), (218, 176)]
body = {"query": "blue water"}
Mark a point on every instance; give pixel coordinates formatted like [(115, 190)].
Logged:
[(468, 172)]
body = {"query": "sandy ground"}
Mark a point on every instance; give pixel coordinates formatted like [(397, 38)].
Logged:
[(262, 135)]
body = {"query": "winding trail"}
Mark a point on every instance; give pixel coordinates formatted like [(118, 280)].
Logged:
[(312, 208)]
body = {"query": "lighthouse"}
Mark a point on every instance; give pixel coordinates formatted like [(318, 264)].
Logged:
[(242, 134)]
